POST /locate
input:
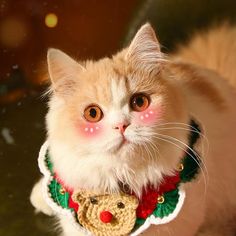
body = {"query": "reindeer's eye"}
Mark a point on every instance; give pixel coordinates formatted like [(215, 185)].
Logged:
[(93, 113), (120, 205), (139, 102), (93, 200)]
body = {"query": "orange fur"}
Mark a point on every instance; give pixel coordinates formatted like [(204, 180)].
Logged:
[(213, 49)]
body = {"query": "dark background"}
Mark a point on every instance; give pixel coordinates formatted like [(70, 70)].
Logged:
[(86, 29)]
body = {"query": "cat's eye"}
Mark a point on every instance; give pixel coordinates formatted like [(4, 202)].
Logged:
[(93, 113), (139, 102)]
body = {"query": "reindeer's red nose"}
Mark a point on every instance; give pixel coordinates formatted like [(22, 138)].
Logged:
[(106, 216)]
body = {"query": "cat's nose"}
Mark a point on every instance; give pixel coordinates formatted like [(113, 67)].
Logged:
[(121, 126)]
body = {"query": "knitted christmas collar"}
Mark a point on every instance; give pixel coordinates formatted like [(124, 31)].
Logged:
[(121, 214)]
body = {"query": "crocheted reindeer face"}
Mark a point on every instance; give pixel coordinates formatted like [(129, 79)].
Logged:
[(104, 215)]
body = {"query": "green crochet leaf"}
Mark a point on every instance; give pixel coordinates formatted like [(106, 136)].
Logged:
[(139, 221), (48, 162), (57, 196), (168, 206), (191, 165)]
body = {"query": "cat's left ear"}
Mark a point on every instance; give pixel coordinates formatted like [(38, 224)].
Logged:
[(144, 51)]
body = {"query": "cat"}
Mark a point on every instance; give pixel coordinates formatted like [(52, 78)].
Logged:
[(126, 119)]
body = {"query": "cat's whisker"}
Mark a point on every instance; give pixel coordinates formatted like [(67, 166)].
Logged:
[(205, 153), (142, 153), (202, 170), (175, 123), (149, 154), (204, 176), (170, 232), (154, 147), (193, 129), (187, 146), (177, 140), (188, 127)]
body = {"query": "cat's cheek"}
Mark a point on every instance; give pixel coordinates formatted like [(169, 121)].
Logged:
[(148, 117), (90, 130)]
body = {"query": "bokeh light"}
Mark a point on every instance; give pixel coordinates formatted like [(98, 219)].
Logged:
[(13, 32), (51, 20)]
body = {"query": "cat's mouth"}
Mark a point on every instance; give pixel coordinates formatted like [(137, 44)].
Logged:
[(125, 141), (122, 144)]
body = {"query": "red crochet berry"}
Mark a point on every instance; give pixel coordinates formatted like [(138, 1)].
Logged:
[(106, 216), (148, 202), (169, 183)]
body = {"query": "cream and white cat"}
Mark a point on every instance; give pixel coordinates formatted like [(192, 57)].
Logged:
[(99, 133)]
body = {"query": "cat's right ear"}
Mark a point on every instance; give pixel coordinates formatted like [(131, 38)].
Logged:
[(63, 71)]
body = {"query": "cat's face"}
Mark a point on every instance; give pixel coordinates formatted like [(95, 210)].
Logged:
[(114, 109)]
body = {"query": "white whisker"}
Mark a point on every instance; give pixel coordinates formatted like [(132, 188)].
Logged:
[(194, 131), (164, 138)]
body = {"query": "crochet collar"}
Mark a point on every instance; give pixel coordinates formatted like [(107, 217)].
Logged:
[(121, 214)]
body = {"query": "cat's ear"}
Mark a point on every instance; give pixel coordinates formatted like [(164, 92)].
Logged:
[(144, 51), (63, 71)]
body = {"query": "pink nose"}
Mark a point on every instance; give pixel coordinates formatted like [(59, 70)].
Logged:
[(122, 127), (106, 216)]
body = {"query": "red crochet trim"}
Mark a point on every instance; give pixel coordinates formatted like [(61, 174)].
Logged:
[(149, 200), (72, 204)]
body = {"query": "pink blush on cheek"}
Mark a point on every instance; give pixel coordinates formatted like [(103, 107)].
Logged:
[(148, 117), (90, 130)]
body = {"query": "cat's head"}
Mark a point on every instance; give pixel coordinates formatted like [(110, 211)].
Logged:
[(108, 120)]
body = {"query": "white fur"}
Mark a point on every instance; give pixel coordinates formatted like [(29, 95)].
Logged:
[(37, 200)]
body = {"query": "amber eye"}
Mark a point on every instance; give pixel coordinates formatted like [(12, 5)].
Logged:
[(139, 102), (93, 113)]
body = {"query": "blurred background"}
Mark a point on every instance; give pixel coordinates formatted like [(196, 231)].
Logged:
[(88, 29)]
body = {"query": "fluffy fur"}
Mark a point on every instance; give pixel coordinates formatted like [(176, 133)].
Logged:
[(191, 83)]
